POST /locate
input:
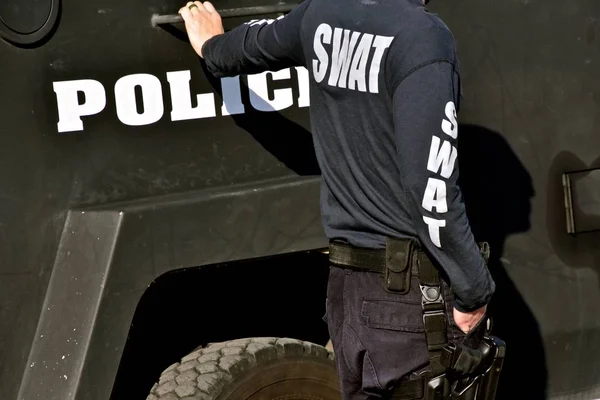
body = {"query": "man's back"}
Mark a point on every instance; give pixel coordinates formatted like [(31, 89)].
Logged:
[(357, 53)]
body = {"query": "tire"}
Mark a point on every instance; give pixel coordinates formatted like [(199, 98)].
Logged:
[(251, 369)]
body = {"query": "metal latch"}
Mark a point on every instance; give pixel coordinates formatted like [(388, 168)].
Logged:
[(582, 200)]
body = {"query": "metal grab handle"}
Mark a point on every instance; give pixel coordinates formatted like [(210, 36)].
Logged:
[(228, 13)]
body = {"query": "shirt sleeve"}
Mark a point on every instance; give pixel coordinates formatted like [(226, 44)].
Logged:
[(426, 139), (257, 46)]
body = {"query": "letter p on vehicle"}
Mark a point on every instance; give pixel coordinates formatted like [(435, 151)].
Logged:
[(70, 110)]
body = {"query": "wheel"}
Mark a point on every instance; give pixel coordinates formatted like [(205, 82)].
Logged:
[(251, 369)]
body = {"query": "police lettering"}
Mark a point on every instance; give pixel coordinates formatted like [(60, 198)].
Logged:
[(71, 111), (345, 59), (442, 158)]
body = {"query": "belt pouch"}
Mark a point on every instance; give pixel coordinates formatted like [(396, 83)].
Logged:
[(398, 259)]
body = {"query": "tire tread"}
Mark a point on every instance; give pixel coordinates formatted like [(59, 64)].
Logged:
[(203, 374)]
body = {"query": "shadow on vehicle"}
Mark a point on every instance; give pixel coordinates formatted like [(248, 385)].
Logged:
[(290, 142), (497, 190)]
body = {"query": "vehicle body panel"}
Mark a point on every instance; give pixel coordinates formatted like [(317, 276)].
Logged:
[(89, 218)]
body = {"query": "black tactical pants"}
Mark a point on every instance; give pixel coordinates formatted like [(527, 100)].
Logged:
[(378, 337)]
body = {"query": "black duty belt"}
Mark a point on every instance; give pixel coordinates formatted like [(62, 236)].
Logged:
[(371, 260)]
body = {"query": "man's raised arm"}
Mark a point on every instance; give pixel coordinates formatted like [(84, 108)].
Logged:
[(253, 47)]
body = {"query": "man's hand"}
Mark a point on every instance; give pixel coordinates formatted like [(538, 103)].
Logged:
[(467, 321), (202, 22)]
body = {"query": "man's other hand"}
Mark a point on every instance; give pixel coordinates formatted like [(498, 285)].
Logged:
[(467, 321), (202, 22)]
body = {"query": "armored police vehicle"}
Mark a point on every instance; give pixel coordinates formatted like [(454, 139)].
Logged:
[(160, 231)]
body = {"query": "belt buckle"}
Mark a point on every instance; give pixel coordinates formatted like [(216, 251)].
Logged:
[(431, 295)]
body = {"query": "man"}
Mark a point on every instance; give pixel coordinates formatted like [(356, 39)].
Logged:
[(385, 88)]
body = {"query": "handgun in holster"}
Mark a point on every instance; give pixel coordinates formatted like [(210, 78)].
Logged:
[(469, 370), (470, 374)]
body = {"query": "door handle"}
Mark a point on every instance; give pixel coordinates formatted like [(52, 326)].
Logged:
[(163, 19)]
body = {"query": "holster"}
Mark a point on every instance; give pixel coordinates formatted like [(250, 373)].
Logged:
[(469, 373), (474, 374), (457, 370)]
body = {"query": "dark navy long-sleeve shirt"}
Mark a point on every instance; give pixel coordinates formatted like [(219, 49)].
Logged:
[(384, 88)]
